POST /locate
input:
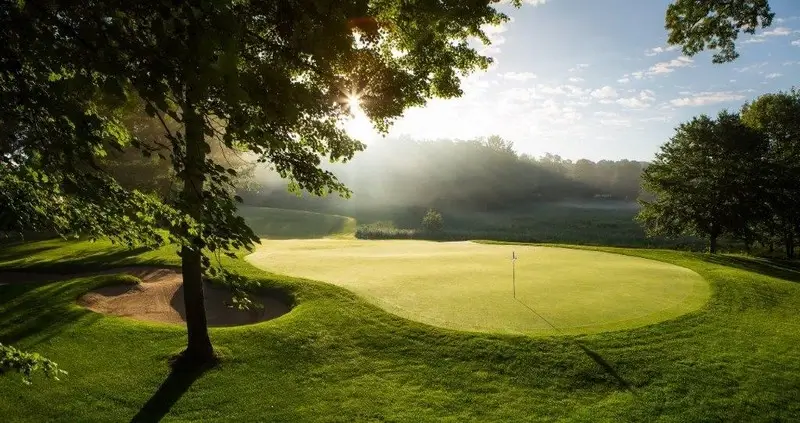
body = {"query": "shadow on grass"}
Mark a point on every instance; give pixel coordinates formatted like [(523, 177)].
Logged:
[(777, 268), (16, 251), (35, 312), (597, 358), (171, 390), (605, 365), (94, 260)]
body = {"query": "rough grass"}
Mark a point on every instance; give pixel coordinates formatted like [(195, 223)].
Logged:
[(287, 224), (468, 286), (338, 358)]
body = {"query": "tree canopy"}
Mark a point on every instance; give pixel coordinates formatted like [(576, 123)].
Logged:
[(731, 176), (698, 25), (274, 78), (698, 178)]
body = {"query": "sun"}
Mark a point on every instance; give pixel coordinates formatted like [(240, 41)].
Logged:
[(359, 126), (354, 101)]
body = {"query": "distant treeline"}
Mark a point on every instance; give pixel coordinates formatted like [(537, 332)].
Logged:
[(482, 175)]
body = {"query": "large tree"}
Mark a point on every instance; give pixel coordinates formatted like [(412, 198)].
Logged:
[(275, 78), (698, 25), (775, 116), (705, 180)]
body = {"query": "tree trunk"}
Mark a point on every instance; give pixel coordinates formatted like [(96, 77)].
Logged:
[(199, 349), (713, 235), (712, 245)]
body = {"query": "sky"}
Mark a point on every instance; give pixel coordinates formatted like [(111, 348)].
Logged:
[(595, 79)]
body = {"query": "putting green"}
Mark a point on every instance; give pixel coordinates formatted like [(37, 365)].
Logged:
[(468, 286)]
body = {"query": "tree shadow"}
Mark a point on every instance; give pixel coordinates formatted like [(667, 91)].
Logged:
[(605, 365), (180, 379), (14, 251), (93, 259), (597, 358), (38, 311), (777, 268)]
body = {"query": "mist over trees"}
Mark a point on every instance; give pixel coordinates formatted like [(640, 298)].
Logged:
[(484, 174)]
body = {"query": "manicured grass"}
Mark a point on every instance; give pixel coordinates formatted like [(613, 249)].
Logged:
[(287, 224), (468, 286), (335, 357)]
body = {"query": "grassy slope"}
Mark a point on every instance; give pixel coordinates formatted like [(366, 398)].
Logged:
[(464, 285), (337, 358), (284, 224)]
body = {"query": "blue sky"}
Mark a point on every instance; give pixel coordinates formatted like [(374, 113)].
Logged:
[(594, 79)]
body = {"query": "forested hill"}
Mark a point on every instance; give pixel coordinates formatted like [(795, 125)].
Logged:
[(483, 174)]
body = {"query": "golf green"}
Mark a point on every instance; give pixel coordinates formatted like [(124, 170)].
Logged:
[(468, 286)]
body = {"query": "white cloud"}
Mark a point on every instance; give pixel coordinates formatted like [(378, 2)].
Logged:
[(579, 67), (777, 32), (643, 100), (566, 90), (496, 37), (667, 67), (578, 103), (658, 50), (615, 122), (655, 119), (520, 95), (786, 19), (576, 79), (706, 98), (659, 68), (605, 92), (796, 43), (774, 75), (780, 31), (518, 76), (602, 114)]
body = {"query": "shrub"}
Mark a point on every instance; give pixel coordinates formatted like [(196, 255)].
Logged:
[(433, 221)]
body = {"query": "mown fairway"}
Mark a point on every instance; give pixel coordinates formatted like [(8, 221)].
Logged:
[(468, 286)]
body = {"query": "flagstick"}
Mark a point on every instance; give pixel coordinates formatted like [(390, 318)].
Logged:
[(514, 273)]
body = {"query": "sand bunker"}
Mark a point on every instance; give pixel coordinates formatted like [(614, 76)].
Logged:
[(159, 298)]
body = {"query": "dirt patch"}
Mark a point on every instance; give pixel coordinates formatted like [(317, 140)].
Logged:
[(159, 298)]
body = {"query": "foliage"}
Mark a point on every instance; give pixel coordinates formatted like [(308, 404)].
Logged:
[(273, 79), (12, 359), (732, 176), (432, 221), (775, 116), (146, 167), (715, 24), (700, 180)]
